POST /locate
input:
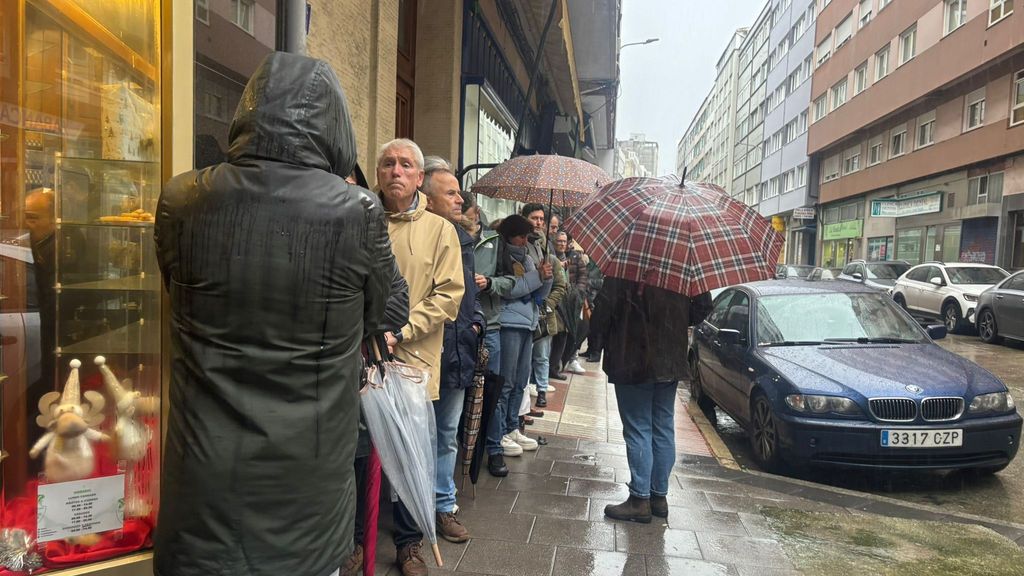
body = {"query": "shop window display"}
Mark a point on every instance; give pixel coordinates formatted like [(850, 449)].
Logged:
[(79, 287)]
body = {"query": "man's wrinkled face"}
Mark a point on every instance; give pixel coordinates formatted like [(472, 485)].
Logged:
[(562, 243), (399, 176), (537, 219), (553, 228), (444, 198)]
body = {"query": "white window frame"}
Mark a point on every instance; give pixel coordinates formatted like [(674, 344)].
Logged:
[(202, 8), (911, 34), (851, 160), (974, 100), (844, 31), (860, 78), (883, 55), (985, 198), (876, 144), (999, 6), (925, 126), (821, 55), (958, 19), (831, 168), (1017, 91), (821, 107), (836, 89), (898, 132), (801, 175), (882, 4), (239, 10)]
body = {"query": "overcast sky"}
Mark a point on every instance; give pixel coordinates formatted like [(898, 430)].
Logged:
[(663, 84)]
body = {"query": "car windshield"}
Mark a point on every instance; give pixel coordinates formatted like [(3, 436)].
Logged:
[(887, 270), (975, 275), (838, 316), (799, 271)]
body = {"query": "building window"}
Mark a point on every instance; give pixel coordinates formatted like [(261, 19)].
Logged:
[(974, 111), (789, 181), (987, 189), (880, 249), (883, 4), (1017, 99), (876, 151), (203, 11), (213, 106), (860, 79), (821, 105), (864, 12), (898, 143), (908, 45), (882, 63), (956, 14), (830, 168), (999, 9), (839, 94), (802, 123), (851, 160), (242, 14), (926, 130), (824, 50), (801, 175), (844, 30)]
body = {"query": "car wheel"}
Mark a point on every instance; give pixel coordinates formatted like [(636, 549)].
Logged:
[(899, 299), (764, 435), (987, 329), (951, 317), (704, 402)]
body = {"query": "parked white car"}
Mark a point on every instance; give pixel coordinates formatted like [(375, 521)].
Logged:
[(948, 292)]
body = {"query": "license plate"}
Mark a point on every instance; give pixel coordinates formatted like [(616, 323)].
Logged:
[(922, 438)]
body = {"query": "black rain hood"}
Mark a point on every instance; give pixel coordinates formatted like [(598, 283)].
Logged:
[(293, 110)]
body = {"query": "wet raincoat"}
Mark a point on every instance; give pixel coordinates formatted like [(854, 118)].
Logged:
[(275, 267)]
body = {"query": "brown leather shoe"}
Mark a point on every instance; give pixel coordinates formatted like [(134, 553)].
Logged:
[(354, 565), (659, 506), (633, 510), (410, 560), (449, 527)]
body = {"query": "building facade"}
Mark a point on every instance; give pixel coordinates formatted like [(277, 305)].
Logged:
[(918, 128), (751, 83), (644, 150)]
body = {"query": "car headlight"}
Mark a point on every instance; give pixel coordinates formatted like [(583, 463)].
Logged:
[(812, 404), (995, 402), (970, 297)]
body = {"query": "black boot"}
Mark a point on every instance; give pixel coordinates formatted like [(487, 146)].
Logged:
[(542, 399), (659, 506), (496, 465), (633, 510)]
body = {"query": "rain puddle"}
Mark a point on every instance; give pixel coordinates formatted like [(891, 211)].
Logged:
[(826, 544)]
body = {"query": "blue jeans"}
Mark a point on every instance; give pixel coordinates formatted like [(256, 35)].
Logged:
[(492, 342), (516, 354), (447, 411), (541, 362), (648, 427)]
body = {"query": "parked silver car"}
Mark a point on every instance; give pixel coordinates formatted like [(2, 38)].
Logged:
[(878, 275), (1001, 310)]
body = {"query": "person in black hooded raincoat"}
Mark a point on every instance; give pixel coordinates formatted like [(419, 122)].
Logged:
[(276, 268)]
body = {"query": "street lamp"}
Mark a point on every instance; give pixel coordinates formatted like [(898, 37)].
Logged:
[(648, 41)]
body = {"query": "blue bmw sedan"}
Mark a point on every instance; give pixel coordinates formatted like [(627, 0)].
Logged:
[(836, 374)]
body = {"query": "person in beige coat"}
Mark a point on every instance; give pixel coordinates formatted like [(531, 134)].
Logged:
[(429, 255)]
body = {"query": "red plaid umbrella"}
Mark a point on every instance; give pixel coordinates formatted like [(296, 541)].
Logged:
[(688, 239), (543, 178)]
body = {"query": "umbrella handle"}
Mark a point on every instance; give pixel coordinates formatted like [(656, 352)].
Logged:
[(437, 555)]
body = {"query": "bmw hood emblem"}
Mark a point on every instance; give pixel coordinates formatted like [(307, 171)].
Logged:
[(914, 389)]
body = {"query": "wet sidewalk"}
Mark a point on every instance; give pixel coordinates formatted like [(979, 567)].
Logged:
[(546, 518)]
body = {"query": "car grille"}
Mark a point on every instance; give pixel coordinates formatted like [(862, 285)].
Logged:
[(941, 409), (894, 409)]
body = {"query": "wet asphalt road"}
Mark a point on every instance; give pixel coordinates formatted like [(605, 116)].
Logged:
[(1000, 496)]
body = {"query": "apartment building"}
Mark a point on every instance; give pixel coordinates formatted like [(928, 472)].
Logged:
[(918, 125), (706, 150), (640, 150), (751, 81)]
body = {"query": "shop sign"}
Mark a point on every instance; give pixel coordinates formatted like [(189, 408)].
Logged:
[(842, 230), (903, 207), (68, 509), (803, 213), (779, 224)]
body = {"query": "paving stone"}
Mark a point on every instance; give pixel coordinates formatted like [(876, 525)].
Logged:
[(671, 566), (735, 503), (757, 525), (573, 533), (655, 539), (534, 483), (706, 521), (763, 552), (580, 470), (491, 502), (451, 553), (525, 465), (565, 455), (596, 513), (507, 558), (762, 571), (688, 499), (598, 489), (508, 527), (561, 442), (569, 507), (718, 486), (613, 461), (603, 447), (576, 562)]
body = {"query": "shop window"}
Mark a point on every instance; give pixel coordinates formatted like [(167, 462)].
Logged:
[(999, 9), (880, 249), (908, 245), (951, 244), (985, 189)]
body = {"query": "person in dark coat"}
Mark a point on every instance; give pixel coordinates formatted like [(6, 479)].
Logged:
[(643, 332), (276, 269)]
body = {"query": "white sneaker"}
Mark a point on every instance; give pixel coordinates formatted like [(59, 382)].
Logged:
[(533, 390), (509, 446), (525, 442), (576, 368), (551, 388)]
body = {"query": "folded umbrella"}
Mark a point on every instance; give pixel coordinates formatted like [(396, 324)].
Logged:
[(688, 238), (472, 412)]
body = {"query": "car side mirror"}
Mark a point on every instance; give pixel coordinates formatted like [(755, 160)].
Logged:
[(729, 336), (937, 331), (780, 275), (937, 281), (857, 276)]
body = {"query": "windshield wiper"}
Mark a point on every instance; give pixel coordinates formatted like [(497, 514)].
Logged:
[(793, 343), (882, 340)]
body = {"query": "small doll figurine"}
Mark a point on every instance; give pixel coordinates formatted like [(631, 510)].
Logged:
[(70, 425), (132, 437)]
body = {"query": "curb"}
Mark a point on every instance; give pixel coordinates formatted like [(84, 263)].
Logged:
[(715, 443)]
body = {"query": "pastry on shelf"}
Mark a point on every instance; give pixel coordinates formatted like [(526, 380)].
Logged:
[(70, 424), (138, 215), (131, 436)]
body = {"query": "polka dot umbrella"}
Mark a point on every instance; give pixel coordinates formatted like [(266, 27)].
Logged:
[(543, 178)]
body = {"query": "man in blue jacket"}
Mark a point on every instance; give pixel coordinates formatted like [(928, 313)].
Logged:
[(458, 355)]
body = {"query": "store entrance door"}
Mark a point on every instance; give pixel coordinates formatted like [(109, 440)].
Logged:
[(405, 87)]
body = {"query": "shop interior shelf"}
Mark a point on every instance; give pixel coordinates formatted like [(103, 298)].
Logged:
[(134, 338), (138, 283)]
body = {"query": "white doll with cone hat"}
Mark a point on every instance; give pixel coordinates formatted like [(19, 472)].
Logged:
[(132, 437), (70, 430)]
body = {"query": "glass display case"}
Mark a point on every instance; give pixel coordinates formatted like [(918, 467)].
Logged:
[(80, 324)]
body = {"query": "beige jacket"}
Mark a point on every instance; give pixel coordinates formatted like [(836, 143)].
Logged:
[(428, 254)]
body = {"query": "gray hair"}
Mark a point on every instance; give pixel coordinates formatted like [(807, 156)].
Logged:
[(402, 144), (434, 165)]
